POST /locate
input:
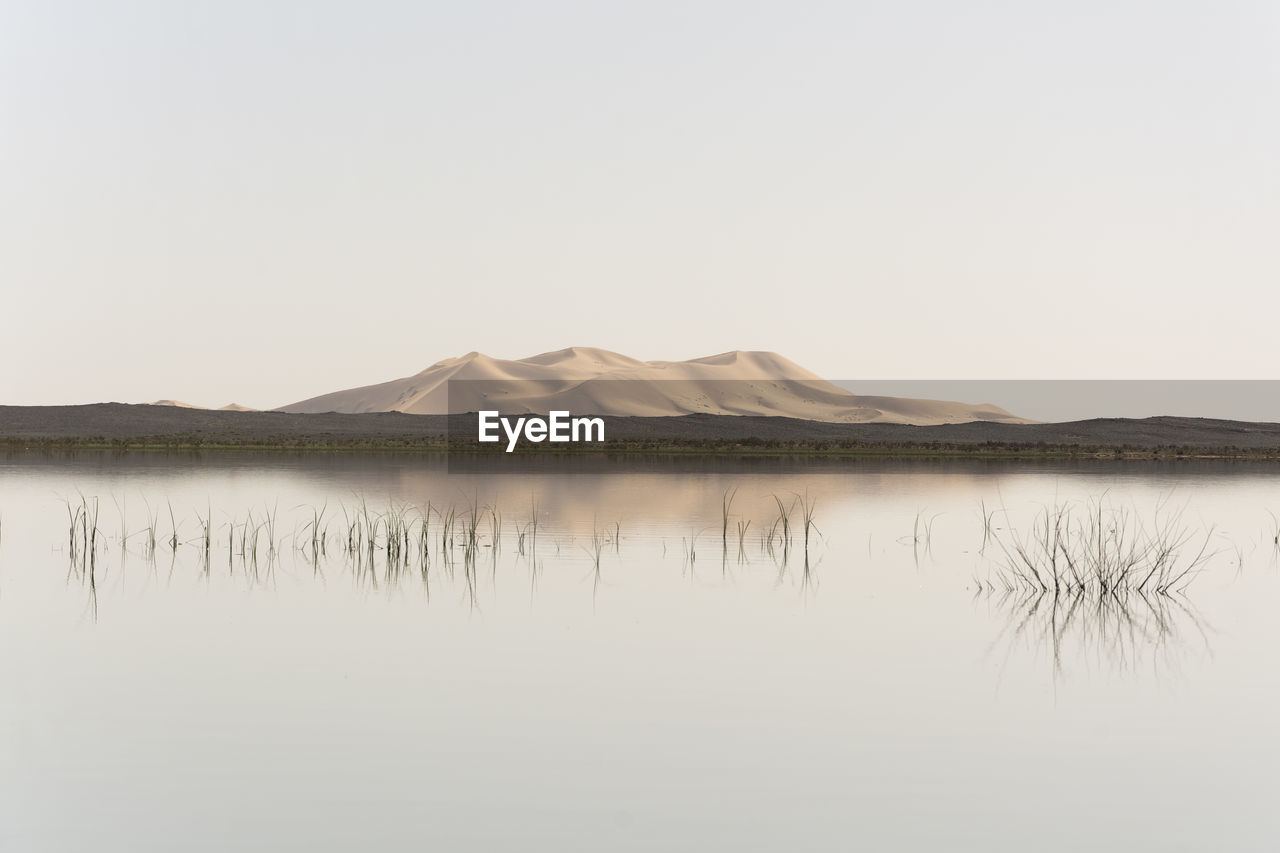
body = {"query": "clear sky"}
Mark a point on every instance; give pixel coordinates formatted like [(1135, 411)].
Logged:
[(264, 201)]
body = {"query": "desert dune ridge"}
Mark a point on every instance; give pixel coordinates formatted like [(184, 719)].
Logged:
[(178, 404), (588, 380)]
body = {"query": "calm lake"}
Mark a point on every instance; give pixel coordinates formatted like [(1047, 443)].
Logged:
[(640, 670)]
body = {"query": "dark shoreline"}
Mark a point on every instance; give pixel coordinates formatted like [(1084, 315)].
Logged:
[(116, 426)]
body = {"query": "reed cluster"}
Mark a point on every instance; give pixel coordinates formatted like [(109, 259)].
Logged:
[(1099, 550)]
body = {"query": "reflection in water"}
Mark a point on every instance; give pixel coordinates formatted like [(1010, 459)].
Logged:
[(82, 547), (1119, 631), (1090, 584), (577, 637)]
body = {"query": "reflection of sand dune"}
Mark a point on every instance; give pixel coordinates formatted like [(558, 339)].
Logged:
[(677, 495), (584, 380)]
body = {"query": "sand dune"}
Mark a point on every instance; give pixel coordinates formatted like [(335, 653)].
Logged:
[(584, 380), (229, 407)]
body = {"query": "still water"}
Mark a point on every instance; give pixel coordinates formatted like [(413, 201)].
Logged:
[(640, 670)]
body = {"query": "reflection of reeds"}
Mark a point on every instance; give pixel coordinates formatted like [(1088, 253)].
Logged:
[(173, 534), (807, 510), (533, 529), (781, 525), (447, 523), (424, 535), (988, 517), (726, 504), (1087, 628), (82, 532), (122, 509), (598, 541), (471, 530), (153, 520), (921, 536), (316, 533), (82, 546), (206, 536), (776, 541), (690, 546)]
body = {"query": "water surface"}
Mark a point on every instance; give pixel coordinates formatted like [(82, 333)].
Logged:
[(630, 677)]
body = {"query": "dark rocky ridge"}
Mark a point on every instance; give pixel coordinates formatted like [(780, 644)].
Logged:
[(121, 424)]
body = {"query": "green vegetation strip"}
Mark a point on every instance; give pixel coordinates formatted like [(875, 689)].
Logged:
[(690, 447)]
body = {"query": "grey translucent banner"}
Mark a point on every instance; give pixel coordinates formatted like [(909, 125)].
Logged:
[(1058, 400), (813, 413)]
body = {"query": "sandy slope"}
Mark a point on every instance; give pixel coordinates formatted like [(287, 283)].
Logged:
[(585, 380), (229, 407)]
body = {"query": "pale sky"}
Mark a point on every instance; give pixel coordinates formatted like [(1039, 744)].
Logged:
[(266, 201)]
